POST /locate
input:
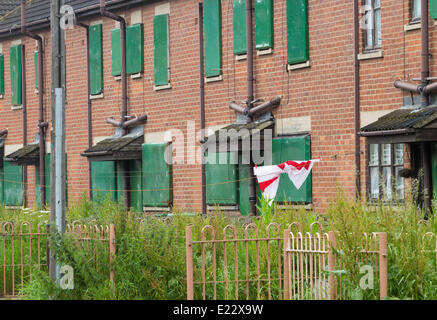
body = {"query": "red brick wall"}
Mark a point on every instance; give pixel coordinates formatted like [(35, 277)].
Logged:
[(324, 91)]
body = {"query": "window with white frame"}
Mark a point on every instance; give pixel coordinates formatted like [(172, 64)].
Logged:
[(416, 10), (372, 18), (385, 163)]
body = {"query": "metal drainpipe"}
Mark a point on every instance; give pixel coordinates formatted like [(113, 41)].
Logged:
[(89, 104), (250, 98), (357, 101), (122, 21), (41, 124), (24, 103), (202, 106)]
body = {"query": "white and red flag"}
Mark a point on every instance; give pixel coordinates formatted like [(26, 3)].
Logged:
[(269, 176)]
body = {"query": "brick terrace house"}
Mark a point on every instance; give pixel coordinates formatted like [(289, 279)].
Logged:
[(304, 53)]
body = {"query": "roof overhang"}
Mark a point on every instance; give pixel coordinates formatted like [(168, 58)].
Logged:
[(27, 155), (400, 136)]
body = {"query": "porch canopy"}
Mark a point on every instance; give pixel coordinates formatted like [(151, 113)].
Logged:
[(405, 125), (117, 148), (238, 132), (27, 155)]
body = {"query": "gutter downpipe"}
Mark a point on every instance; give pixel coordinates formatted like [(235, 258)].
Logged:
[(357, 102), (122, 21), (202, 107), (250, 100), (41, 124), (89, 104), (425, 102), (24, 103)]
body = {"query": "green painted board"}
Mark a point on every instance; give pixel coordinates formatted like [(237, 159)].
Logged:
[(2, 188), (134, 49), (297, 31), (239, 26), (263, 24), (37, 181), (120, 181), (157, 175), (213, 37), (161, 49), (115, 52), (96, 59), (221, 178), (433, 8), (136, 185), (2, 74), (13, 185), (36, 69), (243, 176), (15, 63), (298, 149), (104, 180)]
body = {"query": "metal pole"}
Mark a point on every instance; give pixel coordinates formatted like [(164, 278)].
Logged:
[(332, 281), (357, 113), (383, 282), (286, 264), (202, 105), (189, 261), (425, 52), (57, 164), (24, 102), (112, 244)]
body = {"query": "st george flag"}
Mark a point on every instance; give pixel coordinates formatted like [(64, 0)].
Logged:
[(269, 176)]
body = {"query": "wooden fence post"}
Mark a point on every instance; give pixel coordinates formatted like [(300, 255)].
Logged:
[(332, 281), (383, 283), (286, 265), (189, 261), (112, 243)]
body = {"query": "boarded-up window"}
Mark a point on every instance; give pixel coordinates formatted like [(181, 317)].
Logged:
[(2, 74), (104, 181), (13, 185), (161, 49), (36, 69), (433, 8), (221, 178), (157, 175), (263, 24), (96, 59), (47, 182), (15, 63), (213, 37), (297, 31), (134, 50), (239, 26), (292, 148)]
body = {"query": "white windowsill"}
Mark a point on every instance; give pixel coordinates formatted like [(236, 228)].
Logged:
[(264, 52), (295, 206), (156, 209), (136, 75), (1, 96), (117, 78), (412, 26), (17, 107), (241, 57), (96, 96), (163, 87), (223, 208), (371, 55), (214, 79), (298, 66)]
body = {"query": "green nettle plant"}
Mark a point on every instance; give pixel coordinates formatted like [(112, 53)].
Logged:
[(150, 256)]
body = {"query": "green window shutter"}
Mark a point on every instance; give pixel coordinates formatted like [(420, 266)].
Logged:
[(221, 179), (15, 59), (213, 37), (115, 52), (292, 148), (433, 8), (135, 49), (157, 176), (104, 180), (243, 177), (263, 24), (37, 181), (239, 26), (2, 74), (161, 49), (96, 59), (297, 31), (13, 185), (36, 69)]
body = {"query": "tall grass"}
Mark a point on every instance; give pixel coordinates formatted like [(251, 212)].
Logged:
[(150, 256)]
